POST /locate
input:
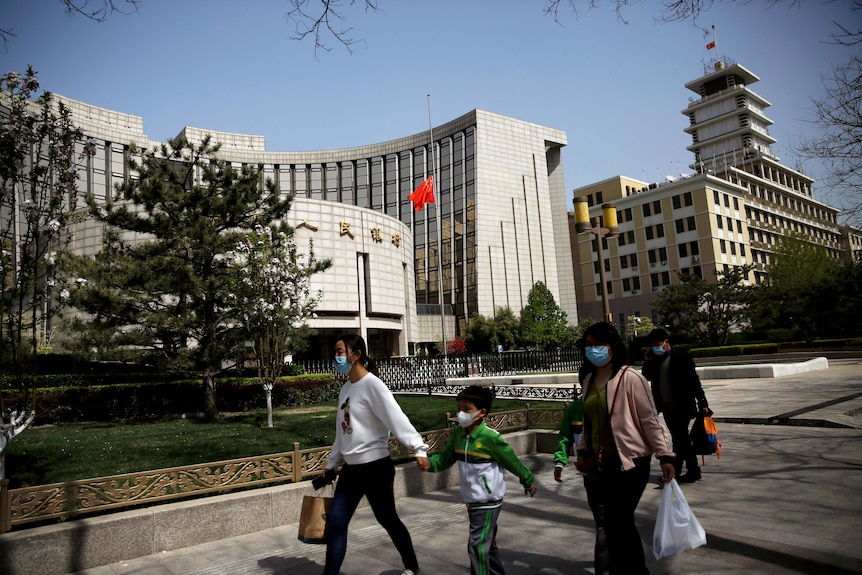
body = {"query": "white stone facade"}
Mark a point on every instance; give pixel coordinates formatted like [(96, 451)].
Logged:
[(499, 188)]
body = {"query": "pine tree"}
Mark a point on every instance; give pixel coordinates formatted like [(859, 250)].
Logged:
[(543, 322), (157, 291)]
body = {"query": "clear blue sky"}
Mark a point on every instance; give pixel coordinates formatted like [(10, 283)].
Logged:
[(616, 89)]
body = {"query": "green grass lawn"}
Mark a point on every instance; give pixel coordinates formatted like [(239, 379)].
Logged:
[(69, 452)]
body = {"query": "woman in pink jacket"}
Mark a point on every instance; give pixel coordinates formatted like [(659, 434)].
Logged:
[(621, 434)]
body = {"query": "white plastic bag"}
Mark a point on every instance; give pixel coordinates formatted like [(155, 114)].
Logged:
[(676, 527)]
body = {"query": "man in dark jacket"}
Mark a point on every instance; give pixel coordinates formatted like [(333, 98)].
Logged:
[(678, 394)]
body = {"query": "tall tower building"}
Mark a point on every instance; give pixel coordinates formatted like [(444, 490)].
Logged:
[(730, 212)]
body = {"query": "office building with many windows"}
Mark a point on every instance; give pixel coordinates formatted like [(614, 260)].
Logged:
[(730, 211), (402, 278)]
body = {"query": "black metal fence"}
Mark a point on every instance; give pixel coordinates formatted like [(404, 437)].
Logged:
[(414, 373)]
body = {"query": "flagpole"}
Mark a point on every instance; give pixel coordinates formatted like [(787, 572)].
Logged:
[(437, 210)]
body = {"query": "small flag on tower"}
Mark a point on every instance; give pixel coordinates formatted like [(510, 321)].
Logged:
[(710, 46), (422, 195)]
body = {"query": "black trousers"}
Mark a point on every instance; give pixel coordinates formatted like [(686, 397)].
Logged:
[(678, 425), (618, 493)]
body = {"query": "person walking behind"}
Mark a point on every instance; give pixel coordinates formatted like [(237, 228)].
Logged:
[(678, 394), (482, 455), (367, 411), (621, 432)]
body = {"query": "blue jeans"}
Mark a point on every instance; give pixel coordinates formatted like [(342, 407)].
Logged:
[(375, 481)]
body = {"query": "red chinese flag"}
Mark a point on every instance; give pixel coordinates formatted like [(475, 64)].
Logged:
[(710, 46), (422, 195)]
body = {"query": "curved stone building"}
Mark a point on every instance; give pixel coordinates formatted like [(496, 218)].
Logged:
[(498, 225)]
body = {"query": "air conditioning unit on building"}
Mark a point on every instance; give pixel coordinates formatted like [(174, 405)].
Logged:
[(634, 291), (652, 264), (695, 259), (634, 268), (664, 262)]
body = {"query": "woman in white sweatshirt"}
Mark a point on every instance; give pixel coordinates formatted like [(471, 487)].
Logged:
[(367, 412)]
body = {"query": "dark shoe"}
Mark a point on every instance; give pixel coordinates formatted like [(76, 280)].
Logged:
[(689, 477)]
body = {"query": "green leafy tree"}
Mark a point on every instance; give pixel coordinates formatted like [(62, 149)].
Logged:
[(707, 311), (543, 322), (485, 334), (638, 326), (158, 289), (807, 289), (272, 299)]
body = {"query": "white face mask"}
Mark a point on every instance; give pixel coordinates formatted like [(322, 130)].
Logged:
[(467, 419)]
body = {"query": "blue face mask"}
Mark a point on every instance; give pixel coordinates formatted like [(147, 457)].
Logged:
[(658, 350), (341, 365), (598, 355)]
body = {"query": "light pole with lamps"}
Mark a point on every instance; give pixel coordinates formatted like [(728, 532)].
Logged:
[(610, 229)]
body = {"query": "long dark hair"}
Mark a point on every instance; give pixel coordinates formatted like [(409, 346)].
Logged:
[(604, 333), (355, 343)]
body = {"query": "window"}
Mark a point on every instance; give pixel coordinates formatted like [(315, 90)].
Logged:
[(719, 222), (723, 245), (662, 254), (624, 262), (636, 282), (598, 197), (659, 230), (729, 224), (652, 256), (732, 248), (630, 235), (739, 226), (646, 211), (653, 280), (621, 240), (695, 248), (680, 226), (687, 199), (715, 197), (683, 250), (649, 233), (742, 250), (726, 201), (626, 284), (691, 223), (634, 260), (665, 278), (677, 202), (656, 207), (735, 203)]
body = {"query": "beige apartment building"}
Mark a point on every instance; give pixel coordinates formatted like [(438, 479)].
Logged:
[(730, 211)]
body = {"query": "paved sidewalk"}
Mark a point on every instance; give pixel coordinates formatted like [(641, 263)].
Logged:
[(784, 498)]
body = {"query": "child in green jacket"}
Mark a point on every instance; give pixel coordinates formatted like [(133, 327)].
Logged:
[(482, 455), (571, 427)]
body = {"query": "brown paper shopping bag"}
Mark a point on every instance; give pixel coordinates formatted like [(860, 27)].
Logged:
[(312, 518)]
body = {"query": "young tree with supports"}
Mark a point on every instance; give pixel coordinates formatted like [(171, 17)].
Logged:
[(272, 298)]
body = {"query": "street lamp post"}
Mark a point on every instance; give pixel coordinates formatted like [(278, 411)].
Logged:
[(610, 229)]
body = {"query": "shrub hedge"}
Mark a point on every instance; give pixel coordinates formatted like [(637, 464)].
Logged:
[(73, 403)]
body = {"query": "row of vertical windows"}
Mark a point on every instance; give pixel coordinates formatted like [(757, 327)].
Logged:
[(649, 209), (680, 200), (688, 224)]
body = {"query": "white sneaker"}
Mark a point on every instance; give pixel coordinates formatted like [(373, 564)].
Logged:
[(409, 572)]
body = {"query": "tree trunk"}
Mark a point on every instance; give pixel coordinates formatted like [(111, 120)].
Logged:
[(268, 406), (210, 409)]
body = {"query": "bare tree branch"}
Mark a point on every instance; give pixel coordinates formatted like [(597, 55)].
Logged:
[(99, 10), (96, 10), (319, 25), (838, 116)]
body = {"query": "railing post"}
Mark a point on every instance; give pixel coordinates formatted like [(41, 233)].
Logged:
[(5, 507), (297, 463)]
